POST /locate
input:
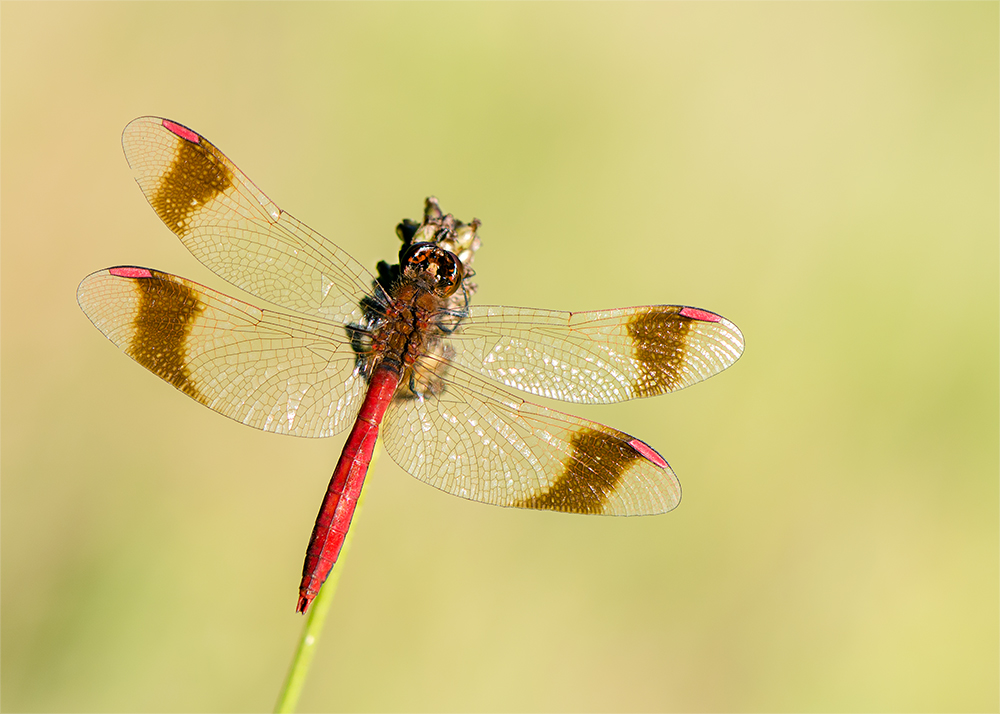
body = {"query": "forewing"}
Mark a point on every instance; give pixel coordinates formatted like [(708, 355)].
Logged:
[(237, 231), (281, 373), (480, 442), (596, 357)]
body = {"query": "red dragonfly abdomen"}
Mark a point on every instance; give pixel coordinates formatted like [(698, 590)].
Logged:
[(335, 514)]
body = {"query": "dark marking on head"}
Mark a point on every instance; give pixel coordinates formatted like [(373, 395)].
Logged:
[(197, 175), (436, 268), (591, 473), (660, 336), (167, 310)]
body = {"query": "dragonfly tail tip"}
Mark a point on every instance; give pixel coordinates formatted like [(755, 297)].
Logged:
[(303, 604)]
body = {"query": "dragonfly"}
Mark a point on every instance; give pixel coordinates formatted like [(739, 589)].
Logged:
[(401, 354)]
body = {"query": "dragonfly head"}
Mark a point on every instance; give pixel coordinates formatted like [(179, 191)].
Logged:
[(439, 270)]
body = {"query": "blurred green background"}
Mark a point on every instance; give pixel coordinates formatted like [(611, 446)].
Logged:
[(825, 175)]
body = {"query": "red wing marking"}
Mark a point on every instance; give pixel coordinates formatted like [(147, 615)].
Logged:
[(127, 271), (703, 315), (276, 372), (182, 131), (648, 452), (596, 357)]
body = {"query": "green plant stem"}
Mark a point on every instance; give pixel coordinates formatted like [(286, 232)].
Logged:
[(288, 699)]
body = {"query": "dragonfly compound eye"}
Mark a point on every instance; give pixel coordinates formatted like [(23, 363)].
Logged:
[(430, 263)]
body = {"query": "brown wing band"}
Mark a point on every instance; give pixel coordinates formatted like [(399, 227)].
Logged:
[(590, 474), (162, 324), (660, 336), (196, 176)]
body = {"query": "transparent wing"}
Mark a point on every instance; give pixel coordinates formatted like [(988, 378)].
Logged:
[(596, 357), (478, 441), (281, 373), (237, 231)]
